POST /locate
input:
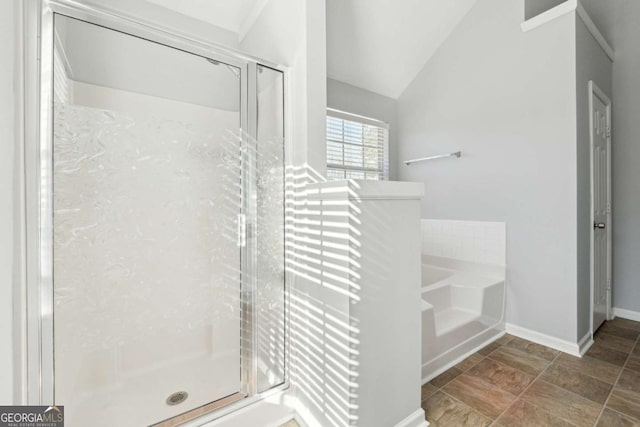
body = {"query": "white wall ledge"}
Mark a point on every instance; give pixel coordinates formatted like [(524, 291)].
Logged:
[(563, 9), (550, 15), (356, 189)]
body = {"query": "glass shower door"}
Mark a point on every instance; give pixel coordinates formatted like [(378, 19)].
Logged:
[(270, 256), (147, 201)]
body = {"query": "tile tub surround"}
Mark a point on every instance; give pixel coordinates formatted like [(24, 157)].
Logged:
[(471, 241), (514, 382)]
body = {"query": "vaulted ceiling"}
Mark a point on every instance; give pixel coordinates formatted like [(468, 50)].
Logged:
[(378, 45), (381, 45)]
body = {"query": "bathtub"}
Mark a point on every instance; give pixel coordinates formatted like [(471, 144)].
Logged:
[(462, 311)]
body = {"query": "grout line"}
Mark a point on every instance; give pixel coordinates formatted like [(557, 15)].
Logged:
[(536, 378), (619, 338), (508, 366), (440, 389), (468, 369), (526, 388), (518, 350), (616, 382), (564, 389), (619, 413), (468, 406), (456, 367)]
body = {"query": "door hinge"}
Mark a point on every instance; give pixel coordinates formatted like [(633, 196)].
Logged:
[(608, 207), (608, 132), (242, 230)]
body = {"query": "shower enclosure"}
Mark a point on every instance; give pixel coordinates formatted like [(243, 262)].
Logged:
[(156, 284)]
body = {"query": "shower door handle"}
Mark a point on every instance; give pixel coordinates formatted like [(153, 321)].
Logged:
[(242, 230)]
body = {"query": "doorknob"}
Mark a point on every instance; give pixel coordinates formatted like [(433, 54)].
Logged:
[(600, 225)]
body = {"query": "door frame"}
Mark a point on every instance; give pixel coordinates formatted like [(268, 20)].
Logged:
[(595, 91), (33, 355)]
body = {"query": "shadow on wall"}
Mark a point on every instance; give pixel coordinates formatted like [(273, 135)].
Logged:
[(348, 304), (323, 257)]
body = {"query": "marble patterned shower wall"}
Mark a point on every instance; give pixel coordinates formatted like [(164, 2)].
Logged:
[(146, 277)]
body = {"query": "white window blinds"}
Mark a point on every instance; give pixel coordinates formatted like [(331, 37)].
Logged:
[(356, 147)]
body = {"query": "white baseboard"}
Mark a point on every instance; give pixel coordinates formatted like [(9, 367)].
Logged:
[(414, 420), (626, 314), (569, 347), (585, 344)]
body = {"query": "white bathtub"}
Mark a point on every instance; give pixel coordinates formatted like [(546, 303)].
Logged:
[(461, 312)]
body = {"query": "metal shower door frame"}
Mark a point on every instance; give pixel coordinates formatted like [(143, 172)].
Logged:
[(37, 377)]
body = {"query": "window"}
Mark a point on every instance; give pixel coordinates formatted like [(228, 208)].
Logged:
[(356, 147)]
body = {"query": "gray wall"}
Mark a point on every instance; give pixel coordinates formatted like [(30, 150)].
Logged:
[(7, 173), (352, 99), (507, 100), (591, 64), (619, 22), (536, 7)]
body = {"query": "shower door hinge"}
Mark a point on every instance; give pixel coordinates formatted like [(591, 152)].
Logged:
[(242, 230)]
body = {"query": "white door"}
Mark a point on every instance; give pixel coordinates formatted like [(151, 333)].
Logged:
[(600, 107)]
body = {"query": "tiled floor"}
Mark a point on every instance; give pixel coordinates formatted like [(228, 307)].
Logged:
[(514, 382)]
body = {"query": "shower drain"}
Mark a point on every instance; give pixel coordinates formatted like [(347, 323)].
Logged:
[(177, 398)]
